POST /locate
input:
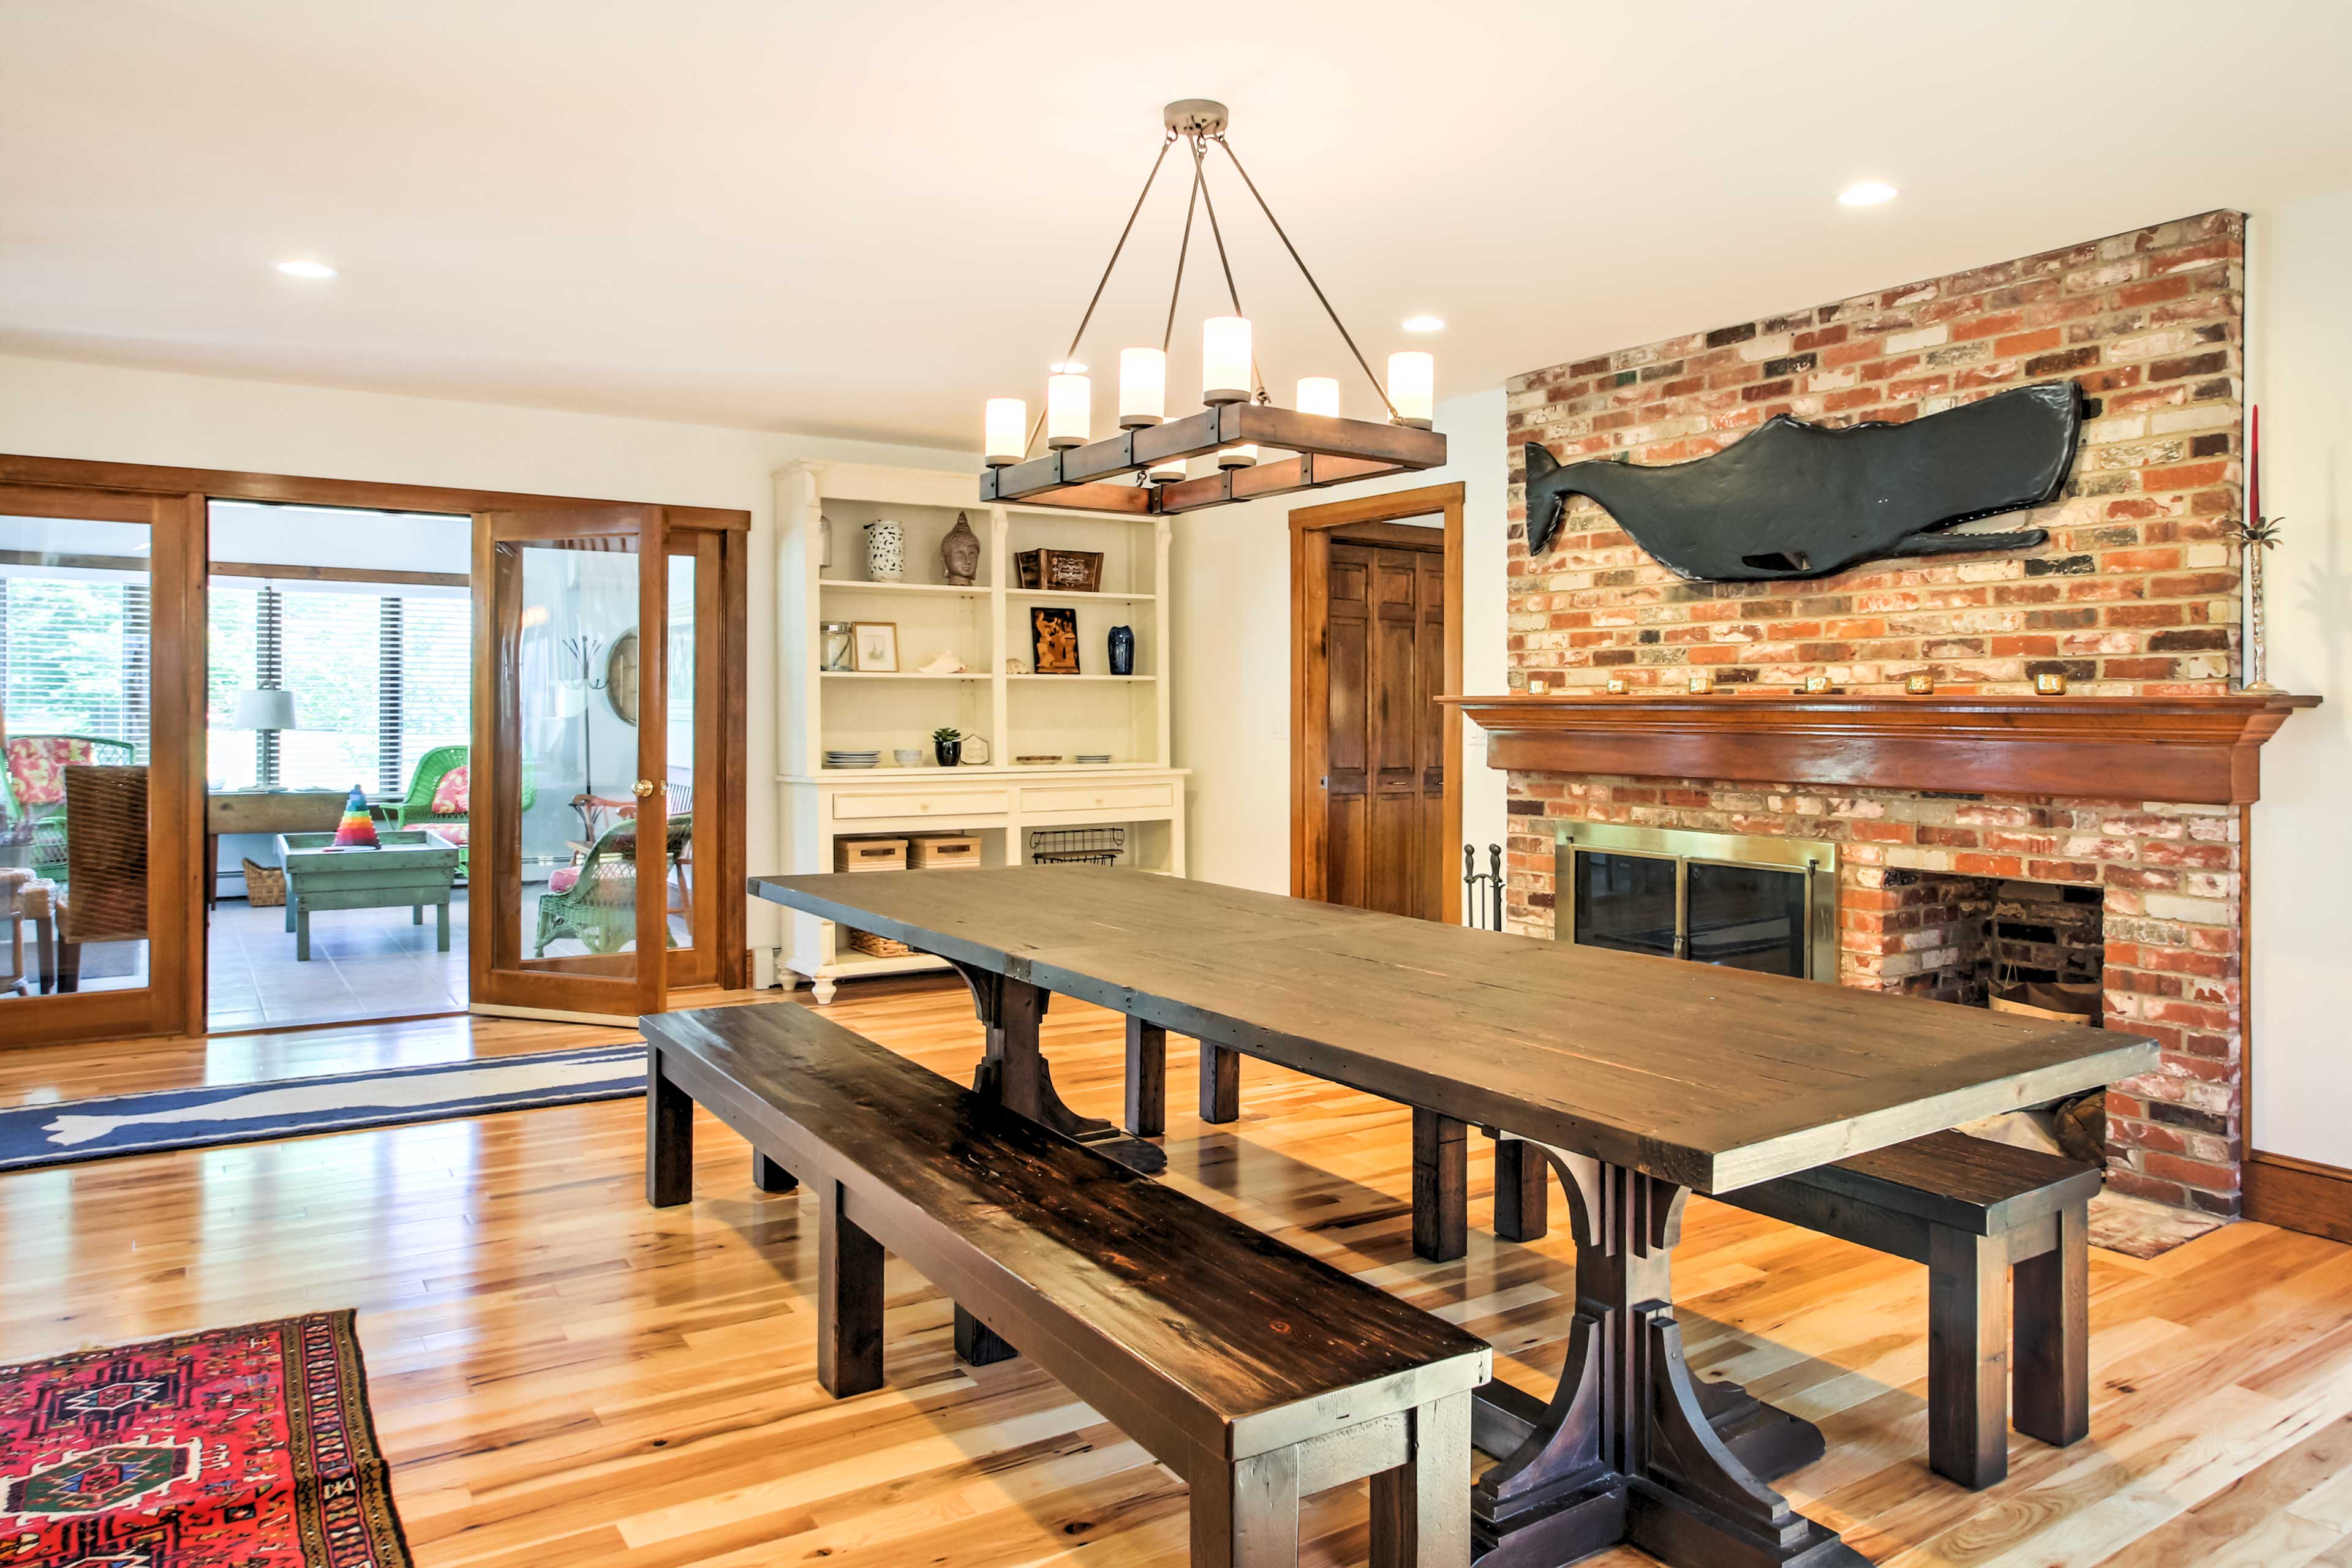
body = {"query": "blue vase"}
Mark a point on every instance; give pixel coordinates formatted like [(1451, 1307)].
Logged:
[(1122, 650)]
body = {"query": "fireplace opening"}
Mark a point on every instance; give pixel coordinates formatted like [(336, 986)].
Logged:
[(1976, 939), (1764, 904)]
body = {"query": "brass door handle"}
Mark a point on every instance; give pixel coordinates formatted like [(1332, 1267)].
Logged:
[(642, 788)]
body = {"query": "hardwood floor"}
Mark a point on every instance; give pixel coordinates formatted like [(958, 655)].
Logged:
[(563, 1376)]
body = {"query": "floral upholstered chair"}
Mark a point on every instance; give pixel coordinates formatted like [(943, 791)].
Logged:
[(440, 796), (37, 787)]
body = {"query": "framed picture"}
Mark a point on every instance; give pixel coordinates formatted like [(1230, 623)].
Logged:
[(873, 646), (1053, 640)]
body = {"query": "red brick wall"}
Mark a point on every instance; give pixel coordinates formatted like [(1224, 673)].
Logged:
[(2137, 589)]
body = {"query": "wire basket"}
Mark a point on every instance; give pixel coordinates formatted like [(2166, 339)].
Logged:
[(1077, 846)]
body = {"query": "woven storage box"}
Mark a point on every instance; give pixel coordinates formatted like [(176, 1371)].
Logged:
[(866, 941), (264, 886), (943, 850), (869, 854)]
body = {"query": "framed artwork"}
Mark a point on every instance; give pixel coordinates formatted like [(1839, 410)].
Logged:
[(873, 646), (1053, 640)]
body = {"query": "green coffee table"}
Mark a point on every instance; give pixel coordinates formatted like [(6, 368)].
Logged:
[(411, 866)]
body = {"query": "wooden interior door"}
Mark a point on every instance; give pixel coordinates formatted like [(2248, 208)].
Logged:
[(571, 859), (1385, 843)]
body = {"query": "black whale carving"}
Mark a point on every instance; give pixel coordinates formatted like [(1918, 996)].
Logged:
[(1801, 500)]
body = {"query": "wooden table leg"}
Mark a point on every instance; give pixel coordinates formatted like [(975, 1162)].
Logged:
[(1441, 1187), (1522, 1209), (669, 1137), (1627, 1450), (1221, 1083), (1146, 1079), (848, 1299), (1246, 1512), (768, 1176), (441, 927)]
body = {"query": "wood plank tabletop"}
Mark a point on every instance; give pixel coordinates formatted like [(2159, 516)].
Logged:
[(1712, 1077)]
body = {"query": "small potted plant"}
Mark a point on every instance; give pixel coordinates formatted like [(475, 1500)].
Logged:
[(946, 744)]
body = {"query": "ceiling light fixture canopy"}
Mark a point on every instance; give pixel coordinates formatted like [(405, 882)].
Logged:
[(1868, 194), (306, 269), (1239, 424)]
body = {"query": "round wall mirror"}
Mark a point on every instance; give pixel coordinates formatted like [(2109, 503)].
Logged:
[(621, 677)]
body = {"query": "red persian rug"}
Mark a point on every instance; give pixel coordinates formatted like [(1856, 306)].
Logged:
[(244, 1448)]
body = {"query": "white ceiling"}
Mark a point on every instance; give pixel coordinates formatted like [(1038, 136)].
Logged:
[(861, 219)]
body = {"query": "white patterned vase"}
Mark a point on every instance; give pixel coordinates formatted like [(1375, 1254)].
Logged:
[(885, 551)]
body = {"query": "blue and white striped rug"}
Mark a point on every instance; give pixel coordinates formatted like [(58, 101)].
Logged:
[(59, 1133)]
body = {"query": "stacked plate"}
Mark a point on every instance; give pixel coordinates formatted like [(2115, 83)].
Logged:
[(852, 759), (1094, 756)]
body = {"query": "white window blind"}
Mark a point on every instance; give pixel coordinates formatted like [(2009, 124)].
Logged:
[(76, 656), (436, 672), (332, 654), (231, 666)]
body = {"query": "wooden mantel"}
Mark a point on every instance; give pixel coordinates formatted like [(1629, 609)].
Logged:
[(2191, 749)]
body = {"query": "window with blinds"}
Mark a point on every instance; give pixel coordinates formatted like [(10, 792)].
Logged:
[(74, 655), (378, 680)]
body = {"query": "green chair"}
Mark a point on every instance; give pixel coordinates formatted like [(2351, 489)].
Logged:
[(415, 808), (35, 786), (595, 902)]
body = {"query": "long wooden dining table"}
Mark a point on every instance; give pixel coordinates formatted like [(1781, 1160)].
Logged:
[(1641, 1079)]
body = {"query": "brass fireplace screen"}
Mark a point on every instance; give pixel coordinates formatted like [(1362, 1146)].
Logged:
[(1763, 904)]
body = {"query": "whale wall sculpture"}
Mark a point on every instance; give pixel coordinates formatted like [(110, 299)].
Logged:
[(1798, 500)]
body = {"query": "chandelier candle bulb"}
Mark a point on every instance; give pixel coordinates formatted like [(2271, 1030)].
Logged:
[(1224, 360), (1242, 457), (1142, 387), (1320, 394), (1166, 472), (1069, 411), (1008, 430), (1412, 388)]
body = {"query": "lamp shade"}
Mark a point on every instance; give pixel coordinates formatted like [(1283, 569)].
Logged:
[(1319, 394), (1412, 388), (1069, 410), (264, 708), (1008, 431), (1224, 360), (1142, 387)]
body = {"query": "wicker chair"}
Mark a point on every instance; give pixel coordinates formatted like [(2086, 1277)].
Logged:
[(415, 808), (35, 786), (106, 863), (595, 902)]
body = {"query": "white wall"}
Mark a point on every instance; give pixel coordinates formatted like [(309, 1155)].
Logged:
[(2302, 980), (1230, 645), (58, 409)]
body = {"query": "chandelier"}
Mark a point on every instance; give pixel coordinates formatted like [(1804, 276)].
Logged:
[(1239, 422)]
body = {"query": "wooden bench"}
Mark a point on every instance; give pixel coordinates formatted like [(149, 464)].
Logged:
[(1257, 1373), (1976, 1213)]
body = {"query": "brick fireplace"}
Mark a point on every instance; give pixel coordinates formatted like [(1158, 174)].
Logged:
[(2135, 596)]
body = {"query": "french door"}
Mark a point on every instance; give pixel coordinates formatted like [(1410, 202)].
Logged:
[(101, 778), (583, 833)]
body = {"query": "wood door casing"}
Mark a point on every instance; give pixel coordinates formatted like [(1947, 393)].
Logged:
[(1376, 521), (1384, 738)]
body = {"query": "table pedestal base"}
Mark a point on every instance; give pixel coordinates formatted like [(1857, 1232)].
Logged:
[(1016, 1075), (1631, 1448)]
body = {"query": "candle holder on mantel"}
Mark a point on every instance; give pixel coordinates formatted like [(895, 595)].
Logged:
[(2253, 537)]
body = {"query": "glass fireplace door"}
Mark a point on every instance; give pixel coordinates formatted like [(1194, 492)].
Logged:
[(1768, 905)]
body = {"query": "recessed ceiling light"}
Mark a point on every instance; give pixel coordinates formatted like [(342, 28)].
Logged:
[(1423, 324), (306, 269), (1868, 194)]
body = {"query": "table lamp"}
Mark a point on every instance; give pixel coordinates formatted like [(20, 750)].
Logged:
[(267, 709)]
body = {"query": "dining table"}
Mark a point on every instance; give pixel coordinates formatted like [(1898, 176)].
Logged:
[(1640, 1078)]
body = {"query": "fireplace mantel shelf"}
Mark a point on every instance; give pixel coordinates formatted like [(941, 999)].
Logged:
[(2185, 750)]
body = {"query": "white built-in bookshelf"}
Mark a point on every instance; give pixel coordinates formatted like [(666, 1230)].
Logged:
[(1018, 712)]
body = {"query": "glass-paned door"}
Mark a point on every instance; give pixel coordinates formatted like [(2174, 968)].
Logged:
[(577, 840), (99, 596)]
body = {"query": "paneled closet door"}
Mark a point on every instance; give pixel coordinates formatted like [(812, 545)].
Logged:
[(101, 779), (574, 858)]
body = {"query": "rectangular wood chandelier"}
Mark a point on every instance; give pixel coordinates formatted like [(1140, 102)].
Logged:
[(1240, 419)]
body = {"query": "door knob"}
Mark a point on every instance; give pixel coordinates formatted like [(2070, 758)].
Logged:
[(642, 788)]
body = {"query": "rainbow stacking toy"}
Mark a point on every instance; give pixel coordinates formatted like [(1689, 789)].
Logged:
[(357, 829)]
